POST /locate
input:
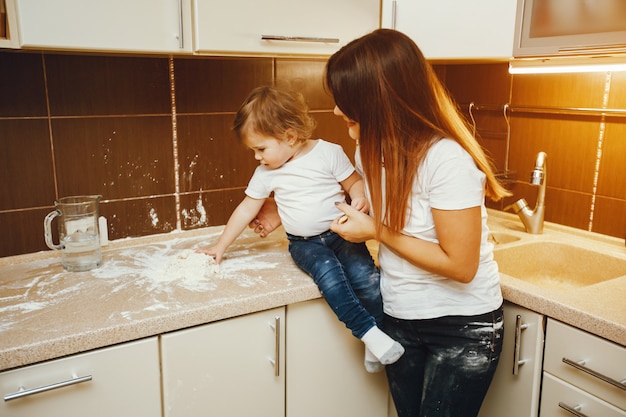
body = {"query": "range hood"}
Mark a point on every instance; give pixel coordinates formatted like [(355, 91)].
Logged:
[(551, 33)]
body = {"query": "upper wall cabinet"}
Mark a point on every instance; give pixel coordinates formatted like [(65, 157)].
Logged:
[(280, 27), (151, 26), (453, 29), (8, 25)]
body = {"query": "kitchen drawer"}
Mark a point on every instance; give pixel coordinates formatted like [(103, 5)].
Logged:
[(125, 381), (564, 342), (557, 394)]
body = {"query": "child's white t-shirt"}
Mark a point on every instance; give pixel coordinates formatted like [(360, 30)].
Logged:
[(306, 188), (448, 179)]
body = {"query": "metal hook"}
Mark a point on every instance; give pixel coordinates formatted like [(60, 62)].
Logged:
[(505, 110), (471, 115)]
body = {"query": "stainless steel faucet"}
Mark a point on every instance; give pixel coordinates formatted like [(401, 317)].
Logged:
[(533, 219)]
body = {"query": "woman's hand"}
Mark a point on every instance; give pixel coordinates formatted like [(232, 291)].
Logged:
[(267, 219), (353, 226)]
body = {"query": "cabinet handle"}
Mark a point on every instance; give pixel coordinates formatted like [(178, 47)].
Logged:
[(181, 40), (276, 360), (519, 326), (574, 410), (580, 365), (394, 14), (298, 39), (26, 392)]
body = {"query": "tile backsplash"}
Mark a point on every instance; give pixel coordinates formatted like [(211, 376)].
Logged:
[(152, 136)]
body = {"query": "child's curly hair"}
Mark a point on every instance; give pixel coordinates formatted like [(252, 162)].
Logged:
[(271, 111)]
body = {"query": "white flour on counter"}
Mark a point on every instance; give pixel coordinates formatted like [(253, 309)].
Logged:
[(162, 265), (151, 275)]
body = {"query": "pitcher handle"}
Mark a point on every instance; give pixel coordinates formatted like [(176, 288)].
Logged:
[(47, 223)]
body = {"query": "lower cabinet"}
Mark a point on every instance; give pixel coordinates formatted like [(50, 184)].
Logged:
[(514, 391), (560, 399), (325, 371), (234, 367), (118, 381), (584, 375), (243, 367)]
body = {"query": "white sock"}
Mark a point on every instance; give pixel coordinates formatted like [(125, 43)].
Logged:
[(372, 364), (369, 356), (383, 347)]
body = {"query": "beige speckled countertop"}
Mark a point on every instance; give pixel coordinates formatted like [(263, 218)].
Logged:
[(46, 312)]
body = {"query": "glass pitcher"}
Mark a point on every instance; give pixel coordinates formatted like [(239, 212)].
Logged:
[(79, 237)]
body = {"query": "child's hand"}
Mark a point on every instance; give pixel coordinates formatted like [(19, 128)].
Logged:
[(213, 251), (361, 204)]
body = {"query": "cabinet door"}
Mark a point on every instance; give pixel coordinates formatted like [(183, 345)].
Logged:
[(516, 393), (111, 25), (453, 29), (325, 371), (237, 26), (230, 368), (8, 25), (587, 361), (560, 399), (118, 381)]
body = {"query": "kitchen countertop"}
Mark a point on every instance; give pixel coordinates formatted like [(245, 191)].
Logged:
[(156, 284), (143, 288)]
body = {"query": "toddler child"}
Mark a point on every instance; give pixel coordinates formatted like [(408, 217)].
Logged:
[(308, 178)]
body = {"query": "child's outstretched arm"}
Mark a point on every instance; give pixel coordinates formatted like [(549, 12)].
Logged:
[(355, 188), (238, 221)]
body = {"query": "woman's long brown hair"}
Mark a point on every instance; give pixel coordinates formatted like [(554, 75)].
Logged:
[(383, 82)]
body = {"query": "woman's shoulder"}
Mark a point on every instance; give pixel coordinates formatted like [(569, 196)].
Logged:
[(446, 148)]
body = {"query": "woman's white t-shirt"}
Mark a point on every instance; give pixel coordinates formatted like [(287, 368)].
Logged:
[(448, 179), (306, 189)]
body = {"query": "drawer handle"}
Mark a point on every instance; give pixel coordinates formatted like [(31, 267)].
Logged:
[(298, 39), (574, 410), (581, 366), (519, 326), (26, 392)]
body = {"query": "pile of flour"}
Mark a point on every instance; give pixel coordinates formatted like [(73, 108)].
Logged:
[(187, 264)]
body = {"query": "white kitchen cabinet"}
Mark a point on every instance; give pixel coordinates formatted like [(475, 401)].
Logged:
[(455, 29), (325, 371), (151, 26), (228, 368), (560, 399), (236, 27), (585, 373), (8, 25), (514, 391), (234, 367), (119, 381)]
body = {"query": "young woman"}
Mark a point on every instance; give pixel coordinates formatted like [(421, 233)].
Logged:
[(426, 178)]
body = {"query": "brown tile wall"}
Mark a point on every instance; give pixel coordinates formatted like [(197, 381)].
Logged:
[(152, 136), (586, 164)]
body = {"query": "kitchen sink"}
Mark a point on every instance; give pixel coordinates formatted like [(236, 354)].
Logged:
[(558, 265), (500, 238)]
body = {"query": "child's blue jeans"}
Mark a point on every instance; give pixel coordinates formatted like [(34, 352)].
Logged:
[(346, 276), (448, 363)]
